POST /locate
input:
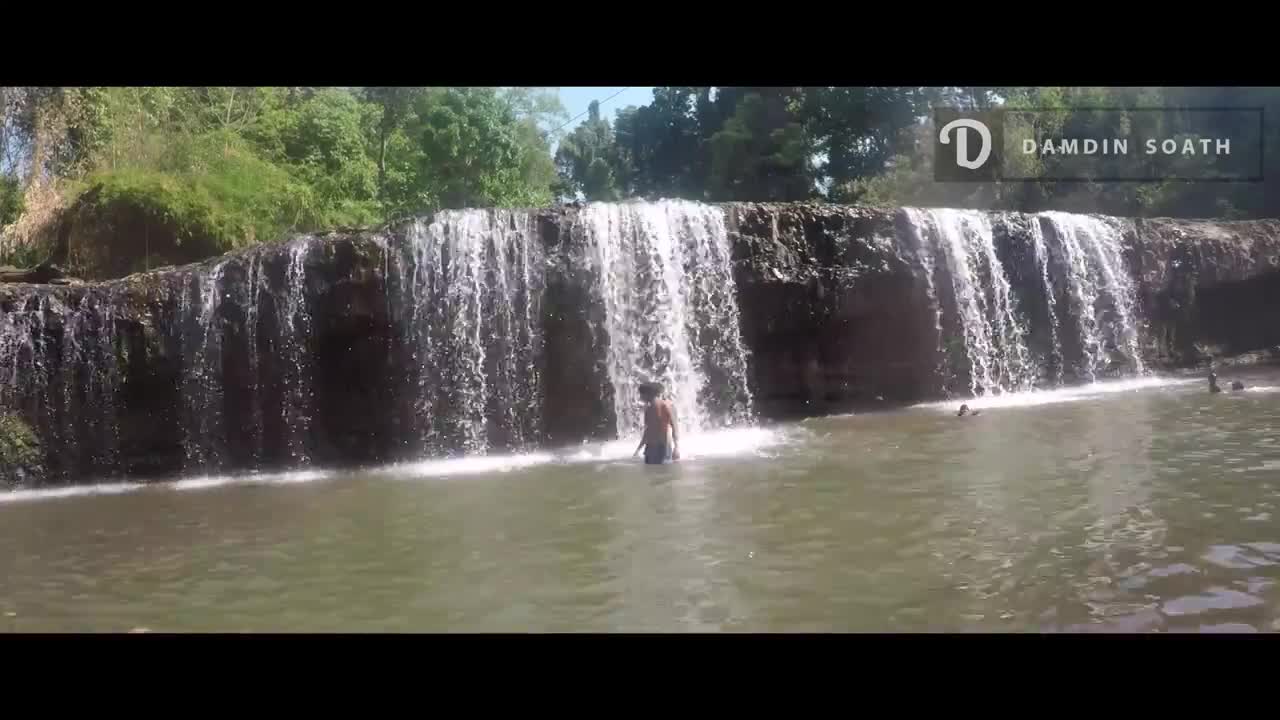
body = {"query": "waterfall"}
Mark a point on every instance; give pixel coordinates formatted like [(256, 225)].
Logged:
[(993, 335), (202, 389), (59, 367), (1079, 253), (1101, 291), (917, 224), (293, 328), (1042, 262), (253, 297), (670, 311), (472, 289)]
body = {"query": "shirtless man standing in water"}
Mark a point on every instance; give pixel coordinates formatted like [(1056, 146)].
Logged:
[(658, 417)]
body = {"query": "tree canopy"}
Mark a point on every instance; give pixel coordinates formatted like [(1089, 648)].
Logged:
[(220, 167)]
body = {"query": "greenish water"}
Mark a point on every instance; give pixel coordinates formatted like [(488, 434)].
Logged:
[(1139, 509)]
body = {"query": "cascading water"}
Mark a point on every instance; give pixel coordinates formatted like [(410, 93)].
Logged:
[(1042, 261), (90, 378), (1101, 291), (202, 369), (253, 299), (293, 324), (240, 371), (211, 335), (1082, 253), (993, 335), (671, 314), (59, 367), (918, 224), (472, 286)]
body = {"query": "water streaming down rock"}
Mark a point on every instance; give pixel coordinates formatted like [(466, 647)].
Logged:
[(59, 367), (1101, 293), (293, 328), (1092, 333), (202, 369), (254, 298), (471, 283), (1043, 262), (918, 226), (297, 352), (670, 310), (247, 373), (993, 335)]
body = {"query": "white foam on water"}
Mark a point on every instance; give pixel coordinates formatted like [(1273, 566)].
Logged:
[(1263, 389), (464, 466), (1074, 393), (714, 443), (63, 492), (285, 478), (193, 483)]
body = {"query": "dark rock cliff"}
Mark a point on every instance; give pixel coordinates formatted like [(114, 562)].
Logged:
[(123, 378)]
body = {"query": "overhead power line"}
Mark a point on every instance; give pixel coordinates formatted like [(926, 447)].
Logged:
[(584, 112)]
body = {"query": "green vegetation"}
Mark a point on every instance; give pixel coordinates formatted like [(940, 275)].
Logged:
[(874, 145), (155, 175), (11, 203), (173, 174), (19, 448)]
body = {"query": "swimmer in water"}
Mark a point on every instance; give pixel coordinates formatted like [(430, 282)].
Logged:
[(1236, 385), (659, 418), (1213, 383), (964, 410)]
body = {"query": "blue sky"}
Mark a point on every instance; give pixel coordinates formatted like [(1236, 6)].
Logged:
[(576, 100)]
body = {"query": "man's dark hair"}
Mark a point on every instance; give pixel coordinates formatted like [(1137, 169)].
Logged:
[(649, 391)]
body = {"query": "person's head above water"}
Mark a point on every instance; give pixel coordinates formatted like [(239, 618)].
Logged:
[(1237, 385), (1213, 382), (650, 391)]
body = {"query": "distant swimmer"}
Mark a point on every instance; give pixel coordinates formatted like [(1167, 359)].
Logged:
[(964, 410), (1213, 383), (659, 418), (1237, 385)]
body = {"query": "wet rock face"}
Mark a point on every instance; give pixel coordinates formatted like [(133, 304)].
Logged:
[(833, 312), (298, 352), (189, 370), (1207, 289)]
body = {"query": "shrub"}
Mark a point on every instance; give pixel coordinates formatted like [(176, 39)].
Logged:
[(11, 201), (19, 450)]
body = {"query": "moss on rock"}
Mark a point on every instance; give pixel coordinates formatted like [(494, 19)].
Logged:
[(20, 457)]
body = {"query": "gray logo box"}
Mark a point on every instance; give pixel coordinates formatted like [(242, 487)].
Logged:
[(1100, 145)]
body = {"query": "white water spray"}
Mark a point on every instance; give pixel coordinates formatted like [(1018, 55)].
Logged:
[(994, 338), (1042, 261), (473, 296), (1101, 290), (671, 315)]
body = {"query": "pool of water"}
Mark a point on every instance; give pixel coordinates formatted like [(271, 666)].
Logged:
[(1134, 506)]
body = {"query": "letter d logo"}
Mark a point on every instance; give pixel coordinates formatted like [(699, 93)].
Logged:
[(962, 127)]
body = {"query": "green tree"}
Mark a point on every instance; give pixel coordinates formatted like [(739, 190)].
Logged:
[(763, 152), (473, 151), (662, 147), (321, 140), (587, 159), (11, 201), (394, 106)]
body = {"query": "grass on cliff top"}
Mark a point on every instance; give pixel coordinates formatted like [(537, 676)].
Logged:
[(212, 188)]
